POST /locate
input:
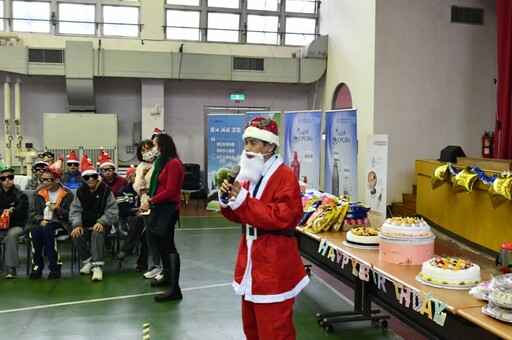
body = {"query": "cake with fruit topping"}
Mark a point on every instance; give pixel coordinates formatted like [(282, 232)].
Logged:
[(406, 227), (448, 271), (365, 236)]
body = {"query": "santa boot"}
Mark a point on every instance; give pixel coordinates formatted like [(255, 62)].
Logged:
[(174, 291)]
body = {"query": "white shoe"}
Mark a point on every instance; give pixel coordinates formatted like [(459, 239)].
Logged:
[(159, 276), (97, 274), (86, 269), (153, 272)]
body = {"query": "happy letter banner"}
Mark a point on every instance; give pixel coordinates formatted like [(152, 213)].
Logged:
[(302, 139), (341, 153)]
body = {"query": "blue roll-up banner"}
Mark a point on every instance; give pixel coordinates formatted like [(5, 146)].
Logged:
[(341, 153), (225, 143), (302, 140)]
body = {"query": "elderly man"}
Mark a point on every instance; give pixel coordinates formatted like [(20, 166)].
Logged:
[(92, 213), (14, 203), (50, 218), (265, 198)]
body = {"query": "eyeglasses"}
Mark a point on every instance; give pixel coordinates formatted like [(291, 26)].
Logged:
[(37, 170), (8, 177), (47, 179), (88, 177), (107, 170)]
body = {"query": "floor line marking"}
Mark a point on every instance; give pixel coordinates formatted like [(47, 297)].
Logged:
[(217, 228), (104, 299)]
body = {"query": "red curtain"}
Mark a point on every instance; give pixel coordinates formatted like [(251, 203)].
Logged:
[(503, 132)]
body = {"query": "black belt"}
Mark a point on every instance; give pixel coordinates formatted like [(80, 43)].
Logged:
[(259, 232)]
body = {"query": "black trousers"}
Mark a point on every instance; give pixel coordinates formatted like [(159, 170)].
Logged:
[(136, 237)]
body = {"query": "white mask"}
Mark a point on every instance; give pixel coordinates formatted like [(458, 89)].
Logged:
[(251, 168), (149, 156)]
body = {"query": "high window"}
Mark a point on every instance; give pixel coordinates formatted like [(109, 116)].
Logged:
[(31, 16)]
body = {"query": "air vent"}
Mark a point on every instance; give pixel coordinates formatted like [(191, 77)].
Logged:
[(466, 15), (36, 55), (248, 64)]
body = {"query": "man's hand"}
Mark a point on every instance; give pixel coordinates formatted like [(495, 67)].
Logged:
[(77, 232), (43, 223), (233, 189), (98, 227)]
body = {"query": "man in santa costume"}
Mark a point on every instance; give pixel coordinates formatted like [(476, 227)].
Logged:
[(265, 198)]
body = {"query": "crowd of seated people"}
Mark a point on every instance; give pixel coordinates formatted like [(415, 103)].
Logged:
[(84, 202)]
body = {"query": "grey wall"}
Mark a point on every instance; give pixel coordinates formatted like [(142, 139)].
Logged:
[(433, 83)]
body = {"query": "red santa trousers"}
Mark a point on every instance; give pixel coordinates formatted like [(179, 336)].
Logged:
[(268, 321)]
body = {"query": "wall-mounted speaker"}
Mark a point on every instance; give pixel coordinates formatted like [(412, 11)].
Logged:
[(450, 153)]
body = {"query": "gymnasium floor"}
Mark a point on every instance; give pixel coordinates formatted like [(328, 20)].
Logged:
[(122, 306)]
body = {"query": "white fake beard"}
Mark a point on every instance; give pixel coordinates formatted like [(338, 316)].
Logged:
[(251, 168)]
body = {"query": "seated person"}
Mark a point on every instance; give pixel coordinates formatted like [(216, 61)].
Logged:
[(129, 203), (92, 213), (13, 202), (50, 218), (37, 170), (47, 157), (108, 173), (72, 178)]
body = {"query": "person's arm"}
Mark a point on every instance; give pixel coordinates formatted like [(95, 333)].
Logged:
[(75, 213), (20, 212), (111, 213)]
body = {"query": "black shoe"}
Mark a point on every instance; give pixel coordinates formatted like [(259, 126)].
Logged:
[(141, 268), (11, 273), (54, 274), (163, 282), (35, 275), (121, 256), (169, 294)]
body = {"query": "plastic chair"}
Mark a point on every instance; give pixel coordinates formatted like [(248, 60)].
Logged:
[(194, 187)]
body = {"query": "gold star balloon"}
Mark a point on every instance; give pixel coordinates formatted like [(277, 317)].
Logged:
[(464, 181), (441, 174), (499, 190)]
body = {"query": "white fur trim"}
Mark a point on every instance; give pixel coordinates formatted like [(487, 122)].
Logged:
[(89, 172), (264, 135), (107, 163)]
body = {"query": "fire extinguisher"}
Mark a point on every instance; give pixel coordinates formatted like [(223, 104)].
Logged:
[(487, 144)]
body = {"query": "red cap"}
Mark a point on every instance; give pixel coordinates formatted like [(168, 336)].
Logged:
[(506, 246)]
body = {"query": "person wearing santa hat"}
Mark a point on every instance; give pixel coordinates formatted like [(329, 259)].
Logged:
[(265, 198), (92, 213), (72, 178), (14, 203), (108, 172), (128, 202), (49, 218)]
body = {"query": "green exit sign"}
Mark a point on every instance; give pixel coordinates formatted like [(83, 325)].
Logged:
[(237, 96)]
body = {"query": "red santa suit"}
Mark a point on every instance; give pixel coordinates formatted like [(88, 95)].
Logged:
[(269, 268)]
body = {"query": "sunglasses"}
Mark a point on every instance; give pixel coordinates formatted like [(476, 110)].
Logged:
[(88, 177), (72, 164), (8, 177), (107, 170), (47, 179), (37, 170)]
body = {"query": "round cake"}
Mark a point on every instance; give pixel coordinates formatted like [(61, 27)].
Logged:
[(406, 227), (449, 271), (366, 236)]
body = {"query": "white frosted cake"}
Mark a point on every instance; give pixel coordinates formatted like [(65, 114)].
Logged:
[(406, 227), (366, 236), (450, 272)]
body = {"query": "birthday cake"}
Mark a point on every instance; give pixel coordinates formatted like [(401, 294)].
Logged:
[(366, 236), (406, 227), (447, 271)]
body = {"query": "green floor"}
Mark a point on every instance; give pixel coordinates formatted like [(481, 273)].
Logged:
[(120, 306)]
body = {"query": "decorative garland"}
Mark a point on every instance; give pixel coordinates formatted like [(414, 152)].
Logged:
[(463, 180)]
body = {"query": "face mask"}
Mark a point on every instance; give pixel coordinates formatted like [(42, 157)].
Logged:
[(155, 150), (149, 156), (251, 166)]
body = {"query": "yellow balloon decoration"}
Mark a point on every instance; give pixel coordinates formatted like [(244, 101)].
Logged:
[(464, 181), (441, 174), (499, 190)]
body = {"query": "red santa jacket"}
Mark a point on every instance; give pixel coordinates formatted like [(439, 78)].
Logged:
[(269, 268)]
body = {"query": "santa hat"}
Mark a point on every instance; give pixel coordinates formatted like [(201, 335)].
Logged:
[(72, 157), (105, 160), (40, 162), (157, 132), (264, 129), (55, 168), (130, 171), (86, 168), (5, 168)]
